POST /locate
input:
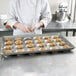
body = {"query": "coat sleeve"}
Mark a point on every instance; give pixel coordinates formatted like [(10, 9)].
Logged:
[(11, 13), (46, 13)]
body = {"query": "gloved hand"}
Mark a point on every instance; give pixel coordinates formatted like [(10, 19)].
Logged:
[(37, 26), (23, 28)]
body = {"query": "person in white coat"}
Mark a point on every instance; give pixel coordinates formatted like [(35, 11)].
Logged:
[(29, 16)]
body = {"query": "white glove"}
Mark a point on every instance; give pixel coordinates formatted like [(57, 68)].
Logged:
[(23, 28), (37, 26)]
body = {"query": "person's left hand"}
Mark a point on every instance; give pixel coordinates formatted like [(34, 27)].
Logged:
[(37, 26)]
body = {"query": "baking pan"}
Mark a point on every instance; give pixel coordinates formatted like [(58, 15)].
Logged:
[(34, 44)]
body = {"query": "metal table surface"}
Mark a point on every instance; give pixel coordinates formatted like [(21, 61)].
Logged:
[(4, 31), (3, 28), (63, 64), (59, 27)]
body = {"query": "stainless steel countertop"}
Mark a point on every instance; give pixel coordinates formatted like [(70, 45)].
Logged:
[(41, 65), (5, 29), (54, 26), (66, 25), (2, 28)]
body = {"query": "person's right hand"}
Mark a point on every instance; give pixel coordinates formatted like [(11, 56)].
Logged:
[(23, 28)]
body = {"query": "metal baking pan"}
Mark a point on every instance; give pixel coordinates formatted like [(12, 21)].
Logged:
[(31, 37)]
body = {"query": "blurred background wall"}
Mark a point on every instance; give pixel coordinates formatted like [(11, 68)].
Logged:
[(53, 5)]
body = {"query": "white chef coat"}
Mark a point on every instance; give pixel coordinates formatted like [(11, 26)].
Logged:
[(29, 12)]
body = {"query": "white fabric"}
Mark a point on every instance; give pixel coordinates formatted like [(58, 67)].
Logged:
[(29, 12)]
